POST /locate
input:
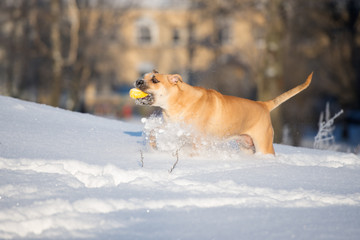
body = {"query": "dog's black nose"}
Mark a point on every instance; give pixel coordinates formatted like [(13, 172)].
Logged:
[(139, 82)]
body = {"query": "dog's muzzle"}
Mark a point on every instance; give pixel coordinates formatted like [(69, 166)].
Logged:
[(140, 83), (149, 99)]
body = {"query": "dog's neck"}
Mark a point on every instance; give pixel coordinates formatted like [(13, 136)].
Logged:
[(184, 99)]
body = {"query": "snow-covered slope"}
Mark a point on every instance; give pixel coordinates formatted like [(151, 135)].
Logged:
[(66, 175)]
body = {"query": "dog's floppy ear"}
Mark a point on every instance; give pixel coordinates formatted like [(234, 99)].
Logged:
[(174, 79)]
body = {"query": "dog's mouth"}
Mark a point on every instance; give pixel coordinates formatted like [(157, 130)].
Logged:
[(148, 100)]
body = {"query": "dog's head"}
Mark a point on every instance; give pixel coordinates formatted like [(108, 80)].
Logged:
[(159, 87)]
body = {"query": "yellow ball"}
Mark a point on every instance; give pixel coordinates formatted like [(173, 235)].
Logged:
[(137, 93)]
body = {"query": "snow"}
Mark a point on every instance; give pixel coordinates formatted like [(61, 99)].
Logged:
[(66, 175)]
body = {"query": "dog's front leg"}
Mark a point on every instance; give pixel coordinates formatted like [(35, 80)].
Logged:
[(152, 140)]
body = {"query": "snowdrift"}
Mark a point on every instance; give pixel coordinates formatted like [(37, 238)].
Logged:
[(66, 175)]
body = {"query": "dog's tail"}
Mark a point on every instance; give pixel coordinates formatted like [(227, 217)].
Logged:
[(272, 104)]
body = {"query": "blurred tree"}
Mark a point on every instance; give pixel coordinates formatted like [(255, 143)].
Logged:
[(99, 53), (37, 37), (60, 61), (53, 48), (270, 78), (322, 36), (12, 39)]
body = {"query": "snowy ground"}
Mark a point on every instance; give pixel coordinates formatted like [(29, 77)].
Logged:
[(66, 175)]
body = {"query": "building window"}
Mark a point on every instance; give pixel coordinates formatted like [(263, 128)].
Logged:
[(224, 34), (176, 36), (144, 36), (146, 31)]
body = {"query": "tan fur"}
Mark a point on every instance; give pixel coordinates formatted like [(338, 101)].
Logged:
[(215, 114)]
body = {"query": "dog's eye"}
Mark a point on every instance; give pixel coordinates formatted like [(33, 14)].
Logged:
[(154, 80)]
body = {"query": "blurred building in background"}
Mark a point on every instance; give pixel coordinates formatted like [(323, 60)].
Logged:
[(84, 55)]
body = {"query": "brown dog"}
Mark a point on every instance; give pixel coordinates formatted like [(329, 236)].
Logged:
[(212, 113)]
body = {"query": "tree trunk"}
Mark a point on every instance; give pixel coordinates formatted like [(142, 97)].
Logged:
[(56, 56), (59, 62), (270, 78)]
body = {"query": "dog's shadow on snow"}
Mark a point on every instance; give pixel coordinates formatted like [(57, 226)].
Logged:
[(134, 134)]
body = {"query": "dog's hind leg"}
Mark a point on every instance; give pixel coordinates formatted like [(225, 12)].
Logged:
[(263, 141), (244, 142)]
